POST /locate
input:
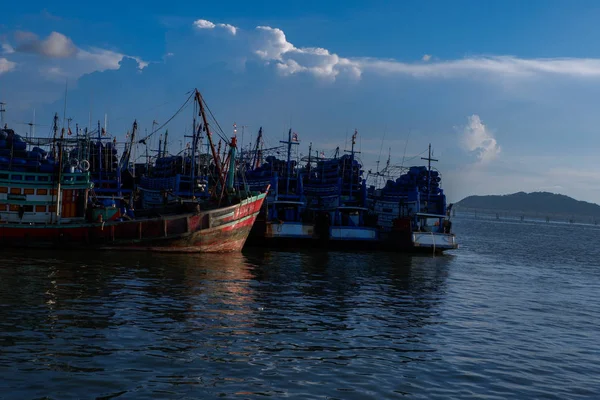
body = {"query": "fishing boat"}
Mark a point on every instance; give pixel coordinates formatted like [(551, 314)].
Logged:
[(322, 203), (411, 212), (48, 200), (326, 204)]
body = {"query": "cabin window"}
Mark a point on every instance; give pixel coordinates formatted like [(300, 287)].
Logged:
[(13, 207), (29, 191), (40, 209), (15, 190), (43, 178), (17, 177), (30, 177), (42, 192), (3, 190)]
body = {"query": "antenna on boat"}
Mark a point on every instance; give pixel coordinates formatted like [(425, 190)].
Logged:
[(2, 111)]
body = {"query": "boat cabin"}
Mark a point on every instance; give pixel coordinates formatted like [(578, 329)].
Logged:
[(28, 197)]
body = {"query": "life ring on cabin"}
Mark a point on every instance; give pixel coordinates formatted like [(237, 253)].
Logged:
[(84, 165), (74, 162)]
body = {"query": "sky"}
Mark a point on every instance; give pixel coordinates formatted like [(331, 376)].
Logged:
[(504, 91)]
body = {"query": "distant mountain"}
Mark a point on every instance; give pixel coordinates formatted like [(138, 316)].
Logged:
[(544, 203)]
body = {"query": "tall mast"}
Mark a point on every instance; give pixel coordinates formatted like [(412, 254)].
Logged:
[(159, 147), (194, 150), (352, 152), (60, 167), (218, 166), (99, 147), (309, 156), (429, 160), (194, 137), (55, 132), (289, 157), (2, 111), (124, 164), (165, 143), (256, 157)]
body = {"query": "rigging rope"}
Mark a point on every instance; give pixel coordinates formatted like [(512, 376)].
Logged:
[(169, 120), (221, 134)]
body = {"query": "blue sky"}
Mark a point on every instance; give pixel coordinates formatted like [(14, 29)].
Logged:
[(505, 91)]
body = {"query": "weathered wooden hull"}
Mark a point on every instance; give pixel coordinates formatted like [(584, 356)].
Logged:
[(220, 230)]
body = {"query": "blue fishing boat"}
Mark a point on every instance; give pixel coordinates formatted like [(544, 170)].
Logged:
[(411, 211), (321, 203)]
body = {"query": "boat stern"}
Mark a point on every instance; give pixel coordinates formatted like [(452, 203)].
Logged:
[(437, 242)]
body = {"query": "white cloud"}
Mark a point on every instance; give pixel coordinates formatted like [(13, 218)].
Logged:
[(271, 45), (232, 29), (6, 66), (478, 139), (506, 66), (7, 48), (204, 24), (60, 58)]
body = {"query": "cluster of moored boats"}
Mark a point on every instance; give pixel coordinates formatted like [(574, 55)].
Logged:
[(81, 191)]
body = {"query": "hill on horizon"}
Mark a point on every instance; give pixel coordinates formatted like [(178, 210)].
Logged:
[(545, 203)]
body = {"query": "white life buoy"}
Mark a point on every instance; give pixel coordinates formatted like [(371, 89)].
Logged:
[(85, 165)]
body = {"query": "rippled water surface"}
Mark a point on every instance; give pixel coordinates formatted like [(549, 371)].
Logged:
[(515, 313)]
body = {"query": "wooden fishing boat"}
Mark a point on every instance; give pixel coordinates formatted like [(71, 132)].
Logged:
[(56, 206)]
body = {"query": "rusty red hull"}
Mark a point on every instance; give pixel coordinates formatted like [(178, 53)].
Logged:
[(220, 230)]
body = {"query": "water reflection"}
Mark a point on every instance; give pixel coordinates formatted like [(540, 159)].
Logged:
[(223, 323)]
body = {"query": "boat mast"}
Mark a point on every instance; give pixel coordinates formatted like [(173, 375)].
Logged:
[(256, 157), (2, 111), (165, 143), (429, 160), (55, 131), (289, 157), (215, 155), (60, 168), (352, 152), (309, 157), (194, 149)]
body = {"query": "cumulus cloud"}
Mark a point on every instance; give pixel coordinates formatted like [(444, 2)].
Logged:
[(56, 45), (60, 58), (6, 66), (204, 24), (271, 45), (479, 140)]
